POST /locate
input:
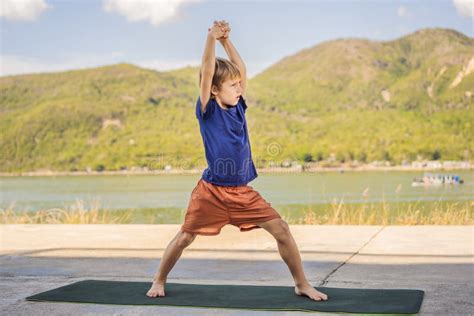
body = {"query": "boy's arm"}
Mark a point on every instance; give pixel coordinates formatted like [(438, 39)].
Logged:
[(207, 70), (236, 59)]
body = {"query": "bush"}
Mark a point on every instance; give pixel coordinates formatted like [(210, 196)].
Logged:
[(99, 167), (362, 157), (436, 155), (307, 157)]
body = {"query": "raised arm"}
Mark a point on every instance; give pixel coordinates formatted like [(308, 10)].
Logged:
[(234, 56), (208, 64)]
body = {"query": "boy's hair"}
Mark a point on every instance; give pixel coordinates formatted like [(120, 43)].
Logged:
[(224, 69)]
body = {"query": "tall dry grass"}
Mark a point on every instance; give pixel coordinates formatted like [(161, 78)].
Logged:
[(440, 213), (76, 213), (335, 213)]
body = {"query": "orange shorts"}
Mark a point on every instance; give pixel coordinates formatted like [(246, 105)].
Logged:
[(211, 207)]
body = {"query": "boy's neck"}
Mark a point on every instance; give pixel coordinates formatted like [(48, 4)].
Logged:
[(223, 106)]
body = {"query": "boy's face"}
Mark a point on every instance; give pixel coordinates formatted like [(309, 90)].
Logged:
[(229, 93)]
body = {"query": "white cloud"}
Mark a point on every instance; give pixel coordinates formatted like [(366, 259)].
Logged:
[(15, 65), (465, 7), (253, 67), (403, 12), (12, 65), (166, 64), (23, 10), (155, 12)]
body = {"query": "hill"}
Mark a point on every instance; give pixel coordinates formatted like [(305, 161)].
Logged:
[(344, 99)]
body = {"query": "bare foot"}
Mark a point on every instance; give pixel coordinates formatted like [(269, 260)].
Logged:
[(311, 292), (157, 289)]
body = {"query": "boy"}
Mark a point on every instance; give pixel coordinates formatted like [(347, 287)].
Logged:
[(222, 195)]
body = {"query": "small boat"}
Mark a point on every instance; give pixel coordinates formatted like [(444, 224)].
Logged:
[(437, 179)]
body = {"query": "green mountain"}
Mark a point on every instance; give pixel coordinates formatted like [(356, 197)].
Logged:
[(345, 99)]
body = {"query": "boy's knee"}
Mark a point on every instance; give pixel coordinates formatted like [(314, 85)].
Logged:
[(282, 232), (185, 239)]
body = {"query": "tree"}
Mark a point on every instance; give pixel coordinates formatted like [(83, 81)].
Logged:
[(362, 157), (319, 156), (436, 155), (100, 167), (307, 157)]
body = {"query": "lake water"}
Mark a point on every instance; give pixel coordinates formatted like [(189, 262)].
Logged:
[(155, 191)]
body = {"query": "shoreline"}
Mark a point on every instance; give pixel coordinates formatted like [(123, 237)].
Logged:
[(262, 170)]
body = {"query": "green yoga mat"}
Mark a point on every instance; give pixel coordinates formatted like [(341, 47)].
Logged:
[(254, 297)]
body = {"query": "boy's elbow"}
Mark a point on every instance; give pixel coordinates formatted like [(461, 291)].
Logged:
[(208, 62), (243, 71), (207, 69), (242, 67)]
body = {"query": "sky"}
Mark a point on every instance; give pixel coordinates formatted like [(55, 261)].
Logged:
[(51, 36)]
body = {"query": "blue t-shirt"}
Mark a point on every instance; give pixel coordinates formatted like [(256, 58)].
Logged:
[(226, 143)]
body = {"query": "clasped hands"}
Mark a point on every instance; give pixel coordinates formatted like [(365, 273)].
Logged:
[(220, 30)]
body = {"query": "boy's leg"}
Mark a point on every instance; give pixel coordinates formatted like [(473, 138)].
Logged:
[(289, 252), (170, 257)]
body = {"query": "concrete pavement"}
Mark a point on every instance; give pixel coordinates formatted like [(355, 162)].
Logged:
[(36, 258)]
